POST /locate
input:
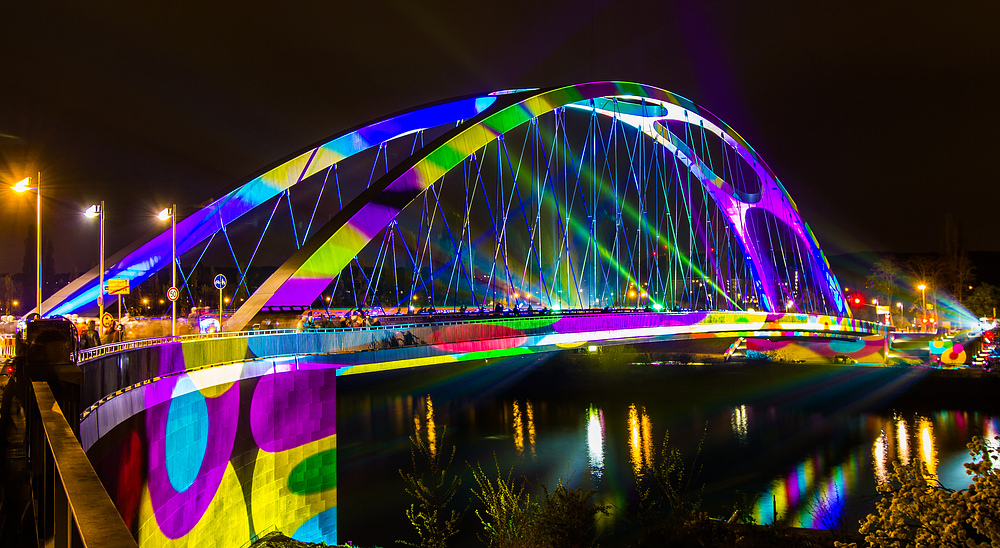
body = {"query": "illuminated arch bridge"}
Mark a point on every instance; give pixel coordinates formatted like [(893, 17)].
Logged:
[(591, 196)]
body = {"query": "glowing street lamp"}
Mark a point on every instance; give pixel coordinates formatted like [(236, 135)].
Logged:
[(98, 211), (170, 213), (21, 187)]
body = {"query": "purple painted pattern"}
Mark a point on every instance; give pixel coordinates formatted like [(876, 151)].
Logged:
[(177, 512), (293, 408)]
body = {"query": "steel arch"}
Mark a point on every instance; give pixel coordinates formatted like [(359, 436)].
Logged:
[(301, 279), (144, 258)]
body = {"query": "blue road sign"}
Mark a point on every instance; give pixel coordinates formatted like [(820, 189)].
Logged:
[(220, 282)]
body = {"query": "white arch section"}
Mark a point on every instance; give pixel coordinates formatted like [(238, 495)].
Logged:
[(313, 267)]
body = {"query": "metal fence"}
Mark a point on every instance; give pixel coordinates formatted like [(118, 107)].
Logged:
[(72, 508)]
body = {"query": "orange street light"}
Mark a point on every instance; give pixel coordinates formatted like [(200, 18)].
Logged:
[(21, 187), (98, 211)]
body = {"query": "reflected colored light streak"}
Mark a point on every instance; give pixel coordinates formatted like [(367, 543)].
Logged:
[(880, 458), (740, 424), (518, 429), (807, 498), (779, 496), (928, 454), (991, 429), (531, 427), (634, 445), (903, 440), (647, 438), (595, 441), (807, 475), (640, 428), (431, 431)]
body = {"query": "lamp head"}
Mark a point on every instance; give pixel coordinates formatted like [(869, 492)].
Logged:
[(93, 211), (921, 287), (165, 214), (22, 185)]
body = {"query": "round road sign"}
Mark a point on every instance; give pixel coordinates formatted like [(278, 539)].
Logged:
[(106, 320), (172, 294), (220, 282)]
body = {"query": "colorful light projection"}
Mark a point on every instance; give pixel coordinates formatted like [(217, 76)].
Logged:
[(487, 339), (301, 279), (947, 352), (180, 475), (869, 349), (141, 260)]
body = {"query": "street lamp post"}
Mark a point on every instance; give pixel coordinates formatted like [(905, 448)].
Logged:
[(172, 213), (94, 211), (22, 186), (923, 303)]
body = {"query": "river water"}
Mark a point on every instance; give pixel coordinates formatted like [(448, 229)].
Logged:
[(806, 443)]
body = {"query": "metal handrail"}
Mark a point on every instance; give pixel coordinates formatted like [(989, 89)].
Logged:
[(71, 503)]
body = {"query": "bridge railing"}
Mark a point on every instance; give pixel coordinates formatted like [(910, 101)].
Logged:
[(72, 508), (112, 369)]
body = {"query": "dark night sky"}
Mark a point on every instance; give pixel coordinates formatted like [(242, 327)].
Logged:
[(879, 117)]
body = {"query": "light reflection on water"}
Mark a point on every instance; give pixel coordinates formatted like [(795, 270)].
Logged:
[(740, 423), (813, 493), (595, 441), (804, 466)]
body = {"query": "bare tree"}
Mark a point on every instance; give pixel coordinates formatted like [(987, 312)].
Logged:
[(7, 293), (961, 273), (885, 274)]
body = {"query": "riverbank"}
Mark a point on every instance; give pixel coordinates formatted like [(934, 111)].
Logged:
[(706, 534)]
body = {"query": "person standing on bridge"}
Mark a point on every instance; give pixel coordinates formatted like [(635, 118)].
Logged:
[(91, 337), (114, 333)]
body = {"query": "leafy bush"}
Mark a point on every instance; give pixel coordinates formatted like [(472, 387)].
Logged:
[(916, 510), (566, 517), (434, 486), (669, 496), (507, 511), (511, 517)]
